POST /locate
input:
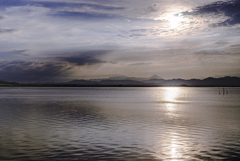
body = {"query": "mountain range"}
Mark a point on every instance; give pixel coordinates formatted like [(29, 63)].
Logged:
[(154, 80)]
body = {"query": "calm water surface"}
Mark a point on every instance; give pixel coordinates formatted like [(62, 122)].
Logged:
[(119, 124)]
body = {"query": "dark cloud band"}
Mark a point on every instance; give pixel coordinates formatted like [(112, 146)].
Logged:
[(19, 70), (230, 9), (85, 57)]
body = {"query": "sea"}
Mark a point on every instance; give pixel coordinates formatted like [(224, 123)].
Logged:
[(119, 123)]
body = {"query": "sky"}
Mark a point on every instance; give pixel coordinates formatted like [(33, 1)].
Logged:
[(44, 40)]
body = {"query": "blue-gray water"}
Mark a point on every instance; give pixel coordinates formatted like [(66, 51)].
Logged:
[(119, 124)]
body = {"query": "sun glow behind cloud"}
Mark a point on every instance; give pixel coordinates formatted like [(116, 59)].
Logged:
[(174, 20)]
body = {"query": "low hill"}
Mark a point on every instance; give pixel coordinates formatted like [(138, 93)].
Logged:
[(5, 83), (121, 82), (81, 82)]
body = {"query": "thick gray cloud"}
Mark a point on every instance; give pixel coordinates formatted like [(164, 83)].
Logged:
[(19, 70), (230, 9), (49, 68), (85, 57)]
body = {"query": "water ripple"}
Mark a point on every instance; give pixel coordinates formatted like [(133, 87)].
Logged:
[(119, 124)]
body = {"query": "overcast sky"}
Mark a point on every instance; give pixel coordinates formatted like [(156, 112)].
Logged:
[(86, 39)]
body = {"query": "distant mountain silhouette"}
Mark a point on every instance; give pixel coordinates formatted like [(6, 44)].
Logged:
[(123, 77), (5, 83), (155, 77), (81, 82), (225, 81), (120, 82), (154, 80)]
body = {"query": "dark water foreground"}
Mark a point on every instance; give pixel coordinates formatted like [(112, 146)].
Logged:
[(119, 124)]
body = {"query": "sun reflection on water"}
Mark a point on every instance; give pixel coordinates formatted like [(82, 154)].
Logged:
[(173, 145), (170, 97), (171, 148)]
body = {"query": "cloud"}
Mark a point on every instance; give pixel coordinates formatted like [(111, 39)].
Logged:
[(88, 6), (6, 3), (221, 43), (140, 64), (154, 7), (84, 15), (138, 30), (14, 52), (55, 4), (235, 46), (50, 68), (217, 52), (19, 51), (229, 9), (85, 57), (5, 30), (136, 35), (235, 19), (67, 9), (19, 70), (208, 52)]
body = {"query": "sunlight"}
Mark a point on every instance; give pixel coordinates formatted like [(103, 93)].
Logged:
[(170, 97), (173, 147), (171, 94), (174, 20)]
